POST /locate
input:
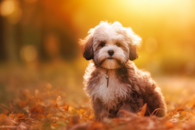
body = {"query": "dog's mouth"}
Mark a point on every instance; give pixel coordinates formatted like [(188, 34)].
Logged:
[(111, 63), (111, 58)]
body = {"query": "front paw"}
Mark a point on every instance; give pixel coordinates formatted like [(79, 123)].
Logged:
[(124, 113), (102, 115), (120, 113)]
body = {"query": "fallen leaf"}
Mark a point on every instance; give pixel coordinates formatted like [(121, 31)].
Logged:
[(22, 116), (66, 107), (143, 110), (169, 124), (48, 86)]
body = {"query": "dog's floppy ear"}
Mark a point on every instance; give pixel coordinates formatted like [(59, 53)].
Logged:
[(87, 47), (134, 41), (133, 52)]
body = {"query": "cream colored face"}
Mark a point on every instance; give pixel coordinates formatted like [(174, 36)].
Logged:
[(110, 47), (111, 53)]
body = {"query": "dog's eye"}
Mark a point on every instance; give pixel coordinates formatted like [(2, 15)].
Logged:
[(102, 44), (118, 44)]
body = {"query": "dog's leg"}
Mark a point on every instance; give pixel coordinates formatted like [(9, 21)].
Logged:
[(99, 110), (126, 108), (155, 103)]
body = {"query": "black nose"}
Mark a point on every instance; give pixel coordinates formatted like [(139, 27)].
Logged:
[(110, 52)]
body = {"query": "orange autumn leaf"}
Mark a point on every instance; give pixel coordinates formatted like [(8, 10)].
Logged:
[(41, 115), (37, 109), (91, 116), (179, 109), (66, 107), (97, 125), (22, 103), (169, 124), (49, 115), (12, 116), (21, 115), (82, 111), (143, 110), (74, 120), (31, 97), (58, 99), (54, 125), (2, 116), (53, 101), (57, 105), (5, 112), (48, 86), (72, 110), (36, 93)]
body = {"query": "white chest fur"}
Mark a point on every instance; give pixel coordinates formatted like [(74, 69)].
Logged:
[(109, 94)]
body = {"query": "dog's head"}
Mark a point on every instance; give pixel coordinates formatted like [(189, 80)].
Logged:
[(110, 45)]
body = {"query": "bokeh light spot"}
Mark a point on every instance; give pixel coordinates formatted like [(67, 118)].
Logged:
[(7, 7), (28, 53)]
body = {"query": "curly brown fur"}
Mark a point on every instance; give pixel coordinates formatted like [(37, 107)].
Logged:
[(139, 88), (128, 88)]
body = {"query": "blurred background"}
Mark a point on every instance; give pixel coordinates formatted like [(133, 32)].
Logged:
[(38, 41)]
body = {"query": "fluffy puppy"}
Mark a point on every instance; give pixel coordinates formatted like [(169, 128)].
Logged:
[(112, 81)]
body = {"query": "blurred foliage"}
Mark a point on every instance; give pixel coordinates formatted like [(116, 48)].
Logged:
[(48, 30)]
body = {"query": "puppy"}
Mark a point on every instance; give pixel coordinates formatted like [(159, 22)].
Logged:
[(112, 81)]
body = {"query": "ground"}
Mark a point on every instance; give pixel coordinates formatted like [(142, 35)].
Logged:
[(45, 98)]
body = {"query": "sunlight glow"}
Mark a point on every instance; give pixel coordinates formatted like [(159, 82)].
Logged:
[(7, 7), (149, 8), (151, 44)]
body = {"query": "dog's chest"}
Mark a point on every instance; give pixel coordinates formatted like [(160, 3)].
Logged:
[(110, 89)]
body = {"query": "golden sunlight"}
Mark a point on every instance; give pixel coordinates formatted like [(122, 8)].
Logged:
[(155, 8), (7, 7)]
